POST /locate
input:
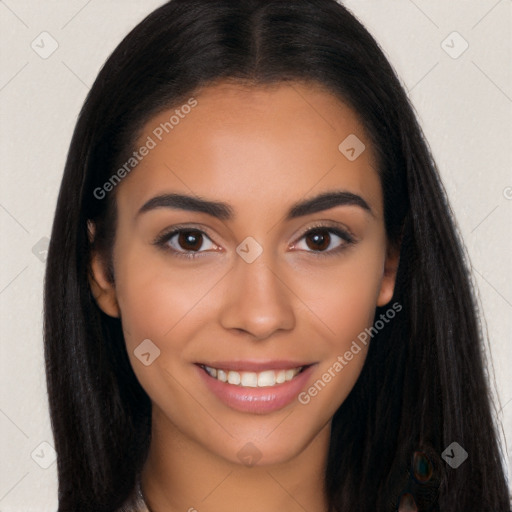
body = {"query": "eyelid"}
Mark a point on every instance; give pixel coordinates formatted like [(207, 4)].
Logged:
[(163, 238), (168, 232), (339, 229), (348, 239)]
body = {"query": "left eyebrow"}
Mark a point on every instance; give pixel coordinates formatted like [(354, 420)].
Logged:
[(224, 211), (326, 201)]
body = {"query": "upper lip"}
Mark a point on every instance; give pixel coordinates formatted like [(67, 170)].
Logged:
[(255, 366)]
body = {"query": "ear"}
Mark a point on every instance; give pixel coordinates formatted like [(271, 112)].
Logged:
[(387, 286), (102, 288)]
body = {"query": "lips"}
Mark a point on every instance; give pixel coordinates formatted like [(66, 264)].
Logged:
[(257, 387)]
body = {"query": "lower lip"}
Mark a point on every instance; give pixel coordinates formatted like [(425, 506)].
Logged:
[(257, 400)]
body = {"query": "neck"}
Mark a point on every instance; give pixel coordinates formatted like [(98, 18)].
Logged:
[(181, 475)]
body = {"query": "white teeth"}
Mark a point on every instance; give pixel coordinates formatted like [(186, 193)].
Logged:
[(249, 379), (289, 374), (266, 378), (234, 378)]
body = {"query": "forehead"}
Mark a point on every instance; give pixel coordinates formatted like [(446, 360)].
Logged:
[(248, 145)]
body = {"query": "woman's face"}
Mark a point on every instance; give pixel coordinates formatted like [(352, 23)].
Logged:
[(265, 282)]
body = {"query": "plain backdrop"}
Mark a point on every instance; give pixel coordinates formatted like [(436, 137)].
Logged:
[(459, 83)]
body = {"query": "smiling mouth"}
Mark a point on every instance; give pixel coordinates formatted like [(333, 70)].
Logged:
[(244, 379)]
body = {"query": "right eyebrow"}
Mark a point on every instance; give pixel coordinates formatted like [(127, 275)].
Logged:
[(216, 209)]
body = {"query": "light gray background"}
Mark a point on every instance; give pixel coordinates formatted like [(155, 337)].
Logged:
[(464, 105)]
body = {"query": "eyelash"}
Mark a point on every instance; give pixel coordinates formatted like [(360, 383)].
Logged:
[(162, 240)]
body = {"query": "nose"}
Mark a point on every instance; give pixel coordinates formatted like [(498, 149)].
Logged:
[(257, 300)]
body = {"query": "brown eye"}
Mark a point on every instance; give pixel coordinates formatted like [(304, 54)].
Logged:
[(183, 241), (320, 240), (190, 240), (325, 240)]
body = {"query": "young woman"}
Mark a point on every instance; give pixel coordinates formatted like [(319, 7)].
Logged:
[(255, 296)]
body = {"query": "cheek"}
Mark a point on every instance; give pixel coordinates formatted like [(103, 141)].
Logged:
[(343, 295), (169, 307), (158, 299), (343, 301)]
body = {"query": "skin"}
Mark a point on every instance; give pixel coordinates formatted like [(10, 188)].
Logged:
[(260, 150)]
